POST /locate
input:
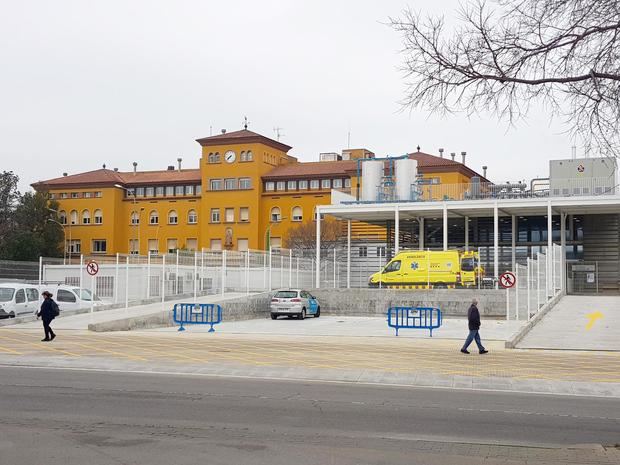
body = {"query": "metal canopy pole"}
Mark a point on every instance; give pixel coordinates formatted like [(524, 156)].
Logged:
[(549, 247), (467, 234), (514, 242), (445, 226), (116, 279), (496, 245), (563, 253), (396, 230), (348, 254), (334, 267), (318, 247), (421, 233)]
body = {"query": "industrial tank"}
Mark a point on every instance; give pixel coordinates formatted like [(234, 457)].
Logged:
[(406, 172), (372, 172)]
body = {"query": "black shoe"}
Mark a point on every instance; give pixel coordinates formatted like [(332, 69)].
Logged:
[(465, 351), (53, 337), (484, 351), (45, 340)]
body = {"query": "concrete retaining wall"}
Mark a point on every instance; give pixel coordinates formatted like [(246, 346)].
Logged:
[(375, 302)]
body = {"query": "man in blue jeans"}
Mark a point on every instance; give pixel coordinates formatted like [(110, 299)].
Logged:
[(473, 319)]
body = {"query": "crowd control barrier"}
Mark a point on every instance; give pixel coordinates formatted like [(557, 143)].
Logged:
[(197, 314), (414, 318)]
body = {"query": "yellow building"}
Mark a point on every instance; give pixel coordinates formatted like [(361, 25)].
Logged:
[(247, 188)]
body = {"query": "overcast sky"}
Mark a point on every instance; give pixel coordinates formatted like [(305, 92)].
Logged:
[(83, 83)]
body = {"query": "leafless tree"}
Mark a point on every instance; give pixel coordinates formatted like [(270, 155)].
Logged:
[(303, 236), (503, 58)]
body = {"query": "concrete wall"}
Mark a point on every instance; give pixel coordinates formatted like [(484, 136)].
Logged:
[(375, 302)]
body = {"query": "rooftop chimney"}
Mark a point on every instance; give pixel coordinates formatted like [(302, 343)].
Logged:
[(65, 174), (135, 167), (453, 155), (484, 171), (116, 169), (170, 167), (223, 131), (104, 166), (441, 153), (463, 154), (179, 160)]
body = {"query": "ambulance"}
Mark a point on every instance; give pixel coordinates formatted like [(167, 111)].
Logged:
[(429, 269)]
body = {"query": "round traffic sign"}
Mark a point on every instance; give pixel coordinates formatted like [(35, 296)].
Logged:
[(507, 280), (92, 267)]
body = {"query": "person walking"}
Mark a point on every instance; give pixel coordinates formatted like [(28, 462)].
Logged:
[(49, 311), (473, 319)]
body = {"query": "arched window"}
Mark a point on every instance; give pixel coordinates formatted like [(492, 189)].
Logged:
[(297, 214), (74, 216), (192, 217), (276, 216), (62, 217), (135, 217), (85, 217), (173, 218), (248, 155), (98, 217), (242, 156), (153, 217)]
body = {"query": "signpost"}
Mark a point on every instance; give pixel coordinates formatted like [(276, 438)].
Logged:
[(507, 280), (92, 268)]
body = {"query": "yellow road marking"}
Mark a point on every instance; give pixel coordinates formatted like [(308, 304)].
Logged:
[(42, 345)]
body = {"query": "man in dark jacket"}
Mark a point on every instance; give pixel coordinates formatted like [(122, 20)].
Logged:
[(473, 318), (47, 314)]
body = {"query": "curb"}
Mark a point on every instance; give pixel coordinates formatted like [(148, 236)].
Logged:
[(512, 342)]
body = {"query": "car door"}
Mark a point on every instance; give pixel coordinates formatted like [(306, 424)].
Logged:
[(32, 296), (66, 300), (312, 303), (392, 273), (21, 304)]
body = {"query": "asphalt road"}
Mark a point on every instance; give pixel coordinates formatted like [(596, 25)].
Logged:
[(76, 417)]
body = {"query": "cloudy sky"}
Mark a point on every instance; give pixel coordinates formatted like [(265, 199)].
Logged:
[(83, 83)]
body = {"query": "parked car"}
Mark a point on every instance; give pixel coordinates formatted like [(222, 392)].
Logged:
[(71, 297), (294, 302), (18, 299)]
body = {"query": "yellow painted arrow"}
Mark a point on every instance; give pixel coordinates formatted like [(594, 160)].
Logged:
[(593, 317)]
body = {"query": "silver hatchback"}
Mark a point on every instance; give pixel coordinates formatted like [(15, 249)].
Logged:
[(294, 302)]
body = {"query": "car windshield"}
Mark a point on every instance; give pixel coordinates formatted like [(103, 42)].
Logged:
[(285, 294), (84, 294), (468, 264), (6, 294)]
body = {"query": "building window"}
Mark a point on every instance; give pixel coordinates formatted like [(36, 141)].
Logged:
[(134, 248), (74, 216), (363, 251), (325, 183), (246, 156), (229, 215), (154, 217), (230, 184), (276, 216), (150, 192), (198, 189), (179, 190), (63, 195), (303, 184), (214, 157), (159, 191), (153, 246), (88, 195), (216, 244), (242, 245), (270, 186), (191, 244), (381, 251), (169, 191), (173, 218), (275, 243), (140, 191), (171, 245), (314, 184), (245, 183), (244, 214), (292, 185), (192, 217), (215, 184), (98, 217), (62, 216), (215, 215), (52, 196), (85, 217), (134, 218), (74, 246), (189, 190), (347, 183), (337, 183), (297, 214), (281, 185), (99, 246), (75, 195), (98, 194)]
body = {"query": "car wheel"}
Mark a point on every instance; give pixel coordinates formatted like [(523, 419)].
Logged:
[(12, 315), (302, 315), (318, 312), (274, 317)]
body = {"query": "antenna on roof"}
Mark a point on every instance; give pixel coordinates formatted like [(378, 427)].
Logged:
[(104, 166), (278, 132), (245, 122), (418, 147)]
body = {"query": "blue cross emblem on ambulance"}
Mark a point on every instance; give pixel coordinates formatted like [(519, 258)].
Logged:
[(414, 265)]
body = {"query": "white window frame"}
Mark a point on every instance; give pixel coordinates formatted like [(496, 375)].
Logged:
[(326, 183), (229, 215), (100, 242), (302, 184), (192, 217), (154, 219), (241, 214), (231, 184), (270, 186), (315, 184), (173, 217), (275, 217), (215, 215), (299, 217), (245, 183), (215, 182)]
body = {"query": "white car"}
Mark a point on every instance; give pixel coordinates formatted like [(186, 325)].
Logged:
[(71, 297), (18, 299), (294, 302)]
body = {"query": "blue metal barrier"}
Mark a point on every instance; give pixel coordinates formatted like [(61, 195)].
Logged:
[(414, 318), (197, 314)]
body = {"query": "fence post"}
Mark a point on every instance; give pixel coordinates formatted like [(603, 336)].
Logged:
[(247, 272), (127, 282), (148, 274), (334, 267), (290, 268), (517, 291), (163, 280), (507, 304), (537, 282), (40, 271), (81, 267), (116, 279), (176, 278), (223, 271), (297, 274), (529, 299), (202, 268), (281, 270), (312, 276), (269, 268), (195, 275), (92, 293)]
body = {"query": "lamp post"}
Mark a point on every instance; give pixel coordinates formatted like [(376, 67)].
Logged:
[(64, 233), (134, 202)]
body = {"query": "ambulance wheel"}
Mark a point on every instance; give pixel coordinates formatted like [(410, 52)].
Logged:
[(440, 286)]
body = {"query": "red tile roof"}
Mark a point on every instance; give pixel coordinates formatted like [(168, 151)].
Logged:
[(242, 137)]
